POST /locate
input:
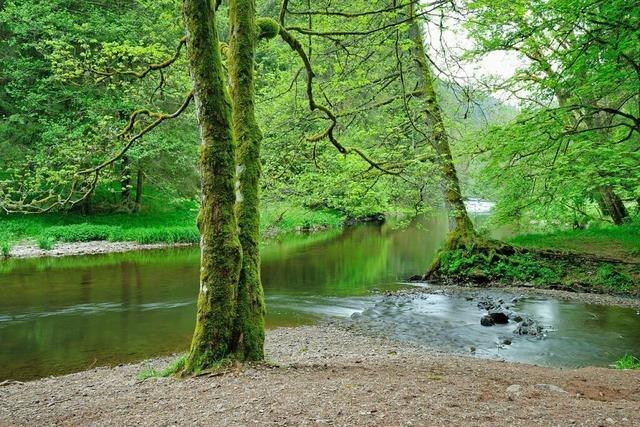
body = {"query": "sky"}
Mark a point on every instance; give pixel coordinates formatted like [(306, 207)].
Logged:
[(454, 40)]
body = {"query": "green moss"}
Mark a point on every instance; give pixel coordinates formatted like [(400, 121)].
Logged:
[(512, 266), (174, 368), (250, 309), (267, 28), (221, 253)]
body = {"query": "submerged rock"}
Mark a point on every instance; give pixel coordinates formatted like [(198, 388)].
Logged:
[(528, 327), (486, 304), (515, 317), (487, 320)]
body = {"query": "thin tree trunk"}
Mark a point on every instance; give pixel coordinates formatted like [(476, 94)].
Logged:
[(251, 308), (125, 181), (460, 225), (139, 188), (86, 207), (221, 254)]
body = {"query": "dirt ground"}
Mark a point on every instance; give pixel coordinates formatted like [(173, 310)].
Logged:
[(322, 375)]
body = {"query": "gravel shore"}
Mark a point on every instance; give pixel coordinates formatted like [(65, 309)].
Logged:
[(323, 375), (31, 250), (516, 291)]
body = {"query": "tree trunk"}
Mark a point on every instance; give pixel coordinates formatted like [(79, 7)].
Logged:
[(249, 326), (125, 181), (460, 225), (221, 254), (86, 206), (614, 205), (139, 188)]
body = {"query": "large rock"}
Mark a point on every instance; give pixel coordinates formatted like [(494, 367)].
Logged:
[(499, 317)]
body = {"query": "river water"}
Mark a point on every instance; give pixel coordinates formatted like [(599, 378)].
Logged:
[(68, 314)]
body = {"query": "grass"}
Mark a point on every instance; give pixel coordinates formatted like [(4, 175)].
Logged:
[(628, 361), (173, 222), (173, 368), (5, 248), (606, 240), (46, 242)]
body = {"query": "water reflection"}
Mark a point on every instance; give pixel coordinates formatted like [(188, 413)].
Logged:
[(62, 315)]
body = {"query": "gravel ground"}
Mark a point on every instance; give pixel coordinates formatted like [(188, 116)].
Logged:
[(328, 376), (31, 250)]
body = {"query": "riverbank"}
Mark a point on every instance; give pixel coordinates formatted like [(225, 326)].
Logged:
[(604, 260), (325, 375), (59, 235)]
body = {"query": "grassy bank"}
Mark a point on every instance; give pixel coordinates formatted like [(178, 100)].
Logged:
[(602, 260), (610, 241), (175, 223)]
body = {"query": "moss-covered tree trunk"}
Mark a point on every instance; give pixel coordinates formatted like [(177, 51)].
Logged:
[(460, 226), (249, 327), (221, 254)]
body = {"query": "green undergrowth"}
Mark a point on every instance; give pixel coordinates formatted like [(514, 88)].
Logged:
[(282, 219), (174, 367), (173, 223), (628, 361), (606, 240), (542, 269)]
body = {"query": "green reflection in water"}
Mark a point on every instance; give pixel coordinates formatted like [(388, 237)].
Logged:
[(61, 315)]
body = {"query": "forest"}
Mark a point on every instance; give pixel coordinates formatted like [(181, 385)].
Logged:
[(233, 212)]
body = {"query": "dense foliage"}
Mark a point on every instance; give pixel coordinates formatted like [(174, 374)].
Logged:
[(562, 150), (572, 155)]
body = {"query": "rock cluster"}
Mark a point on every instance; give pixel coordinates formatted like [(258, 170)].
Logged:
[(500, 314)]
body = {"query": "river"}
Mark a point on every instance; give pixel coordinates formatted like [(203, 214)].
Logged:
[(60, 315)]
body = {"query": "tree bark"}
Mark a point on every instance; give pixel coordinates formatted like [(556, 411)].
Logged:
[(614, 205), (460, 225), (249, 327), (221, 253), (139, 188)]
